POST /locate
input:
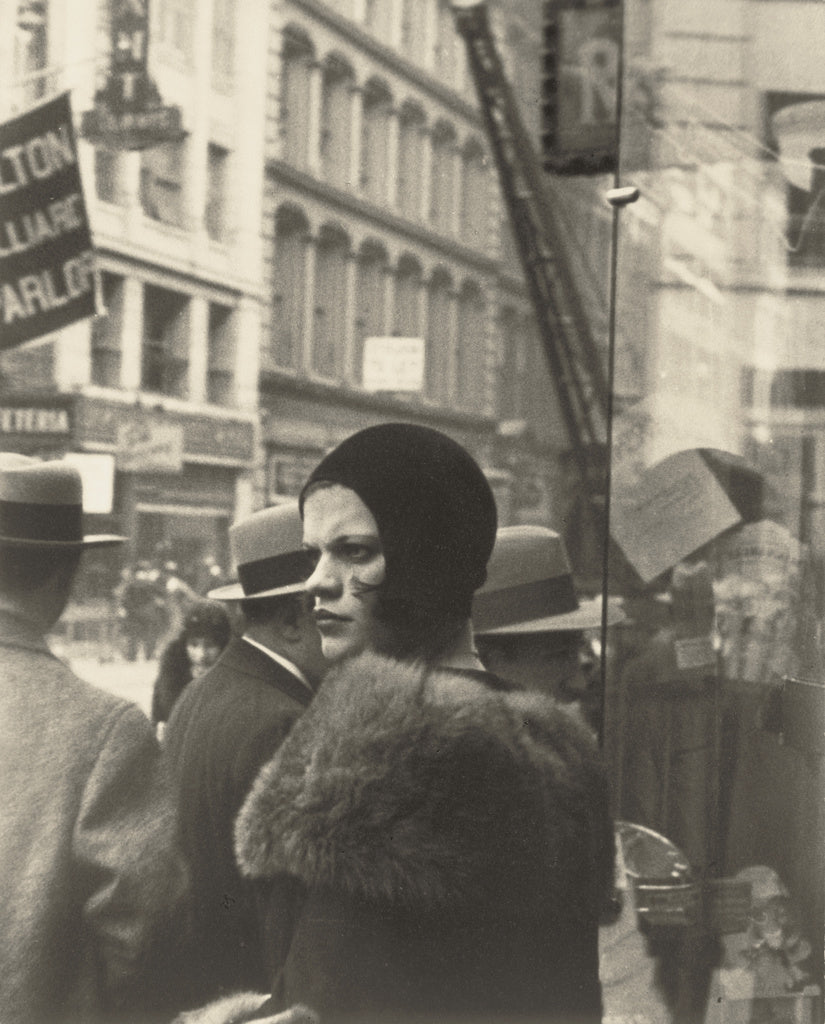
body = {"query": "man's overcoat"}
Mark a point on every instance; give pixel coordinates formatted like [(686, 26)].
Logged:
[(223, 728), (436, 850), (93, 898)]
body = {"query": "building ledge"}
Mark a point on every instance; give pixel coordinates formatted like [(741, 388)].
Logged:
[(273, 382)]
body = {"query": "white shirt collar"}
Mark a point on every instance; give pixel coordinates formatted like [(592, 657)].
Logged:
[(282, 661)]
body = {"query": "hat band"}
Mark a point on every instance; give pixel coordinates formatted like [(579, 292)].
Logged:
[(27, 521), (273, 572), (534, 600)]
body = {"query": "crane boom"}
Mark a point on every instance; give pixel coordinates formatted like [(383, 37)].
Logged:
[(576, 364)]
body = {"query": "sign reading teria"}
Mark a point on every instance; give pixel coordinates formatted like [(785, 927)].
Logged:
[(35, 416), (46, 256), (393, 364)]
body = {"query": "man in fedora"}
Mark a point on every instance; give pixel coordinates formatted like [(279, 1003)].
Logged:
[(93, 885), (531, 628), (529, 625), (228, 724)]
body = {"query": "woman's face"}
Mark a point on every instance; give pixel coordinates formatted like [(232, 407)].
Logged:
[(341, 535), (202, 652)]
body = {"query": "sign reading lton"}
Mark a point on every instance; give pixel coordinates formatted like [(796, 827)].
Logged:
[(46, 256)]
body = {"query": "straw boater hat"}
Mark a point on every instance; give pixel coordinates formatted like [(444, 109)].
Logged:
[(530, 589), (41, 505), (266, 549)]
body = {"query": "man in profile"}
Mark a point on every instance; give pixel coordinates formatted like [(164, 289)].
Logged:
[(94, 890), (226, 725)]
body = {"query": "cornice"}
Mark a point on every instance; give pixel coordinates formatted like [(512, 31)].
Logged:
[(355, 206)]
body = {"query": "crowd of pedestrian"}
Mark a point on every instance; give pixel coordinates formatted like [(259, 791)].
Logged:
[(350, 815)]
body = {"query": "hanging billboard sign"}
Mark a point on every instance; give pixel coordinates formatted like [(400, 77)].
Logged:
[(128, 112), (580, 75), (46, 256)]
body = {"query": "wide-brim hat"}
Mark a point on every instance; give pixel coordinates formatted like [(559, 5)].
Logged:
[(530, 589), (41, 505), (268, 556)]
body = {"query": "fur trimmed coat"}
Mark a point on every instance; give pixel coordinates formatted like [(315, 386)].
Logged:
[(432, 848)]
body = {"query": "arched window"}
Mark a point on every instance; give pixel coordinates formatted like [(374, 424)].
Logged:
[(289, 284), (369, 302), (296, 69), (411, 123), (439, 336), (407, 323), (375, 140), (330, 303), (474, 195), (471, 368), (442, 178), (336, 121)]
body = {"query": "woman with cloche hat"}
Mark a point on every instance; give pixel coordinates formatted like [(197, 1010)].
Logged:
[(430, 844), (205, 632)]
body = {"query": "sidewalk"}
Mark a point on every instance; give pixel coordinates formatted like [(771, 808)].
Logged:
[(132, 680)]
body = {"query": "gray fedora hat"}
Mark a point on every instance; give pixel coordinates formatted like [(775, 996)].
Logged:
[(268, 555), (41, 505), (529, 588)]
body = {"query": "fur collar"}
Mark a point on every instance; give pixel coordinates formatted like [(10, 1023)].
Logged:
[(405, 784)]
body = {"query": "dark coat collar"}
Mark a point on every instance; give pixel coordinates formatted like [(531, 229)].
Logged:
[(240, 656)]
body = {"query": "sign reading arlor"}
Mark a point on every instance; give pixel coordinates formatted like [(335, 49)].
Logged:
[(46, 256)]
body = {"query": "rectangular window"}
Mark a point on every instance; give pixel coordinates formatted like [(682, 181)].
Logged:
[(165, 361), (216, 181), (107, 329), (223, 44), (173, 28), (161, 183), (106, 164), (220, 375)]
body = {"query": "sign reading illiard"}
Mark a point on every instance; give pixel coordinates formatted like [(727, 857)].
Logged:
[(46, 257)]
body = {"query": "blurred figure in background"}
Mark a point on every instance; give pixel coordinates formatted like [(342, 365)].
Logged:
[(93, 888), (141, 611), (205, 632), (178, 598)]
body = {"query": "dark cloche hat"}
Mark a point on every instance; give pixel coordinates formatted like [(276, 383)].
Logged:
[(434, 508), (207, 619)]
